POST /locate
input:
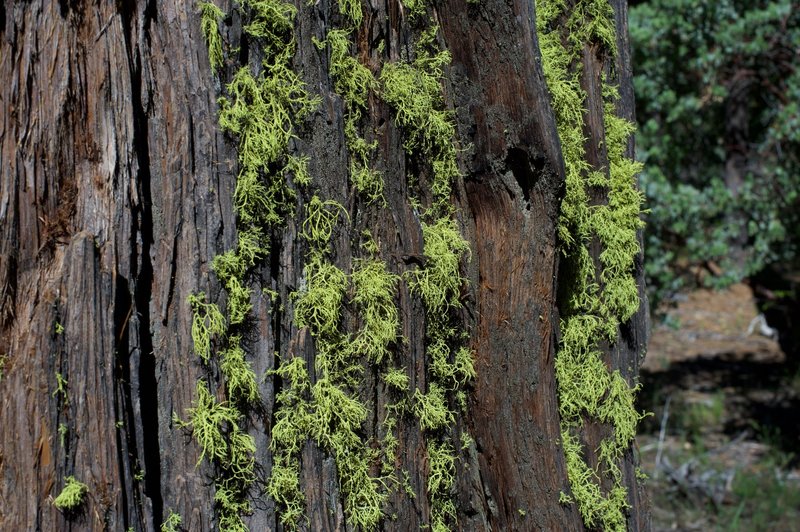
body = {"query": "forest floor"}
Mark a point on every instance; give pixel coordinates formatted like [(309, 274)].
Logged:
[(719, 447)]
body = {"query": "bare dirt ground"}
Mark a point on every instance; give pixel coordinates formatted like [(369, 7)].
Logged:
[(720, 446)]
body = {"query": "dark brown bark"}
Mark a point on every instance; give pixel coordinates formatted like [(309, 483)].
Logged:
[(115, 195)]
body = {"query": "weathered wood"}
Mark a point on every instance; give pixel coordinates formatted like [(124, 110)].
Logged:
[(116, 193)]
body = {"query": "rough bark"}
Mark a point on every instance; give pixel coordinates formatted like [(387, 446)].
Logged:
[(115, 195)]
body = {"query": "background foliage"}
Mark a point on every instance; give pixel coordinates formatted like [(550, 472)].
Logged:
[(717, 94)]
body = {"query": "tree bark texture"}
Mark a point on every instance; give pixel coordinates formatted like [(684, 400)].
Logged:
[(116, 191)]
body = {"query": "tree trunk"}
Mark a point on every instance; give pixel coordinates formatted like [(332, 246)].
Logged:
[(117, 192)]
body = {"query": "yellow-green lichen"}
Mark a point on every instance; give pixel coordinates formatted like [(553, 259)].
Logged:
[(416, 8), (63, 431), (374, 288), (353, 82), (431, 408), (318, 306), (352, 10), (260, 111), (441, 478), (61, 387), (293, 421), (598, 301), (337, 423), (207, 320), (172, 523), (215, 426), (210, 16), (397, 378), (440, 281), (72, 496), (240, 380), (271, 22), (321, 218), (414, 90)]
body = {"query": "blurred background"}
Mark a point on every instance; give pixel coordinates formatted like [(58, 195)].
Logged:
[(718, 105)]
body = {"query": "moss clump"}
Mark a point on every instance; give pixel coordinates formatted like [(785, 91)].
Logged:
[(215, 426), (442, 477), (321, 218), (318, 306), (440, 281), (353, 82), (293, 420), (598, 300), (172, 523), (72, 496), (210, 17), (414, 90), (374, 288), (207, 320)]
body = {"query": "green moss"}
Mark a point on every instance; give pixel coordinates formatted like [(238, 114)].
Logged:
[(61, 387), (374, 288), (210, 17), (338, 416), (368, 181), (440, 281), (353, 82), (431, 408), (72, 496), (207, 320), (598, 301), (441, 480), (239, 376), (335, 414), (318, 306), (414, 90), (293, 417), (321, 218), (172, 523)]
